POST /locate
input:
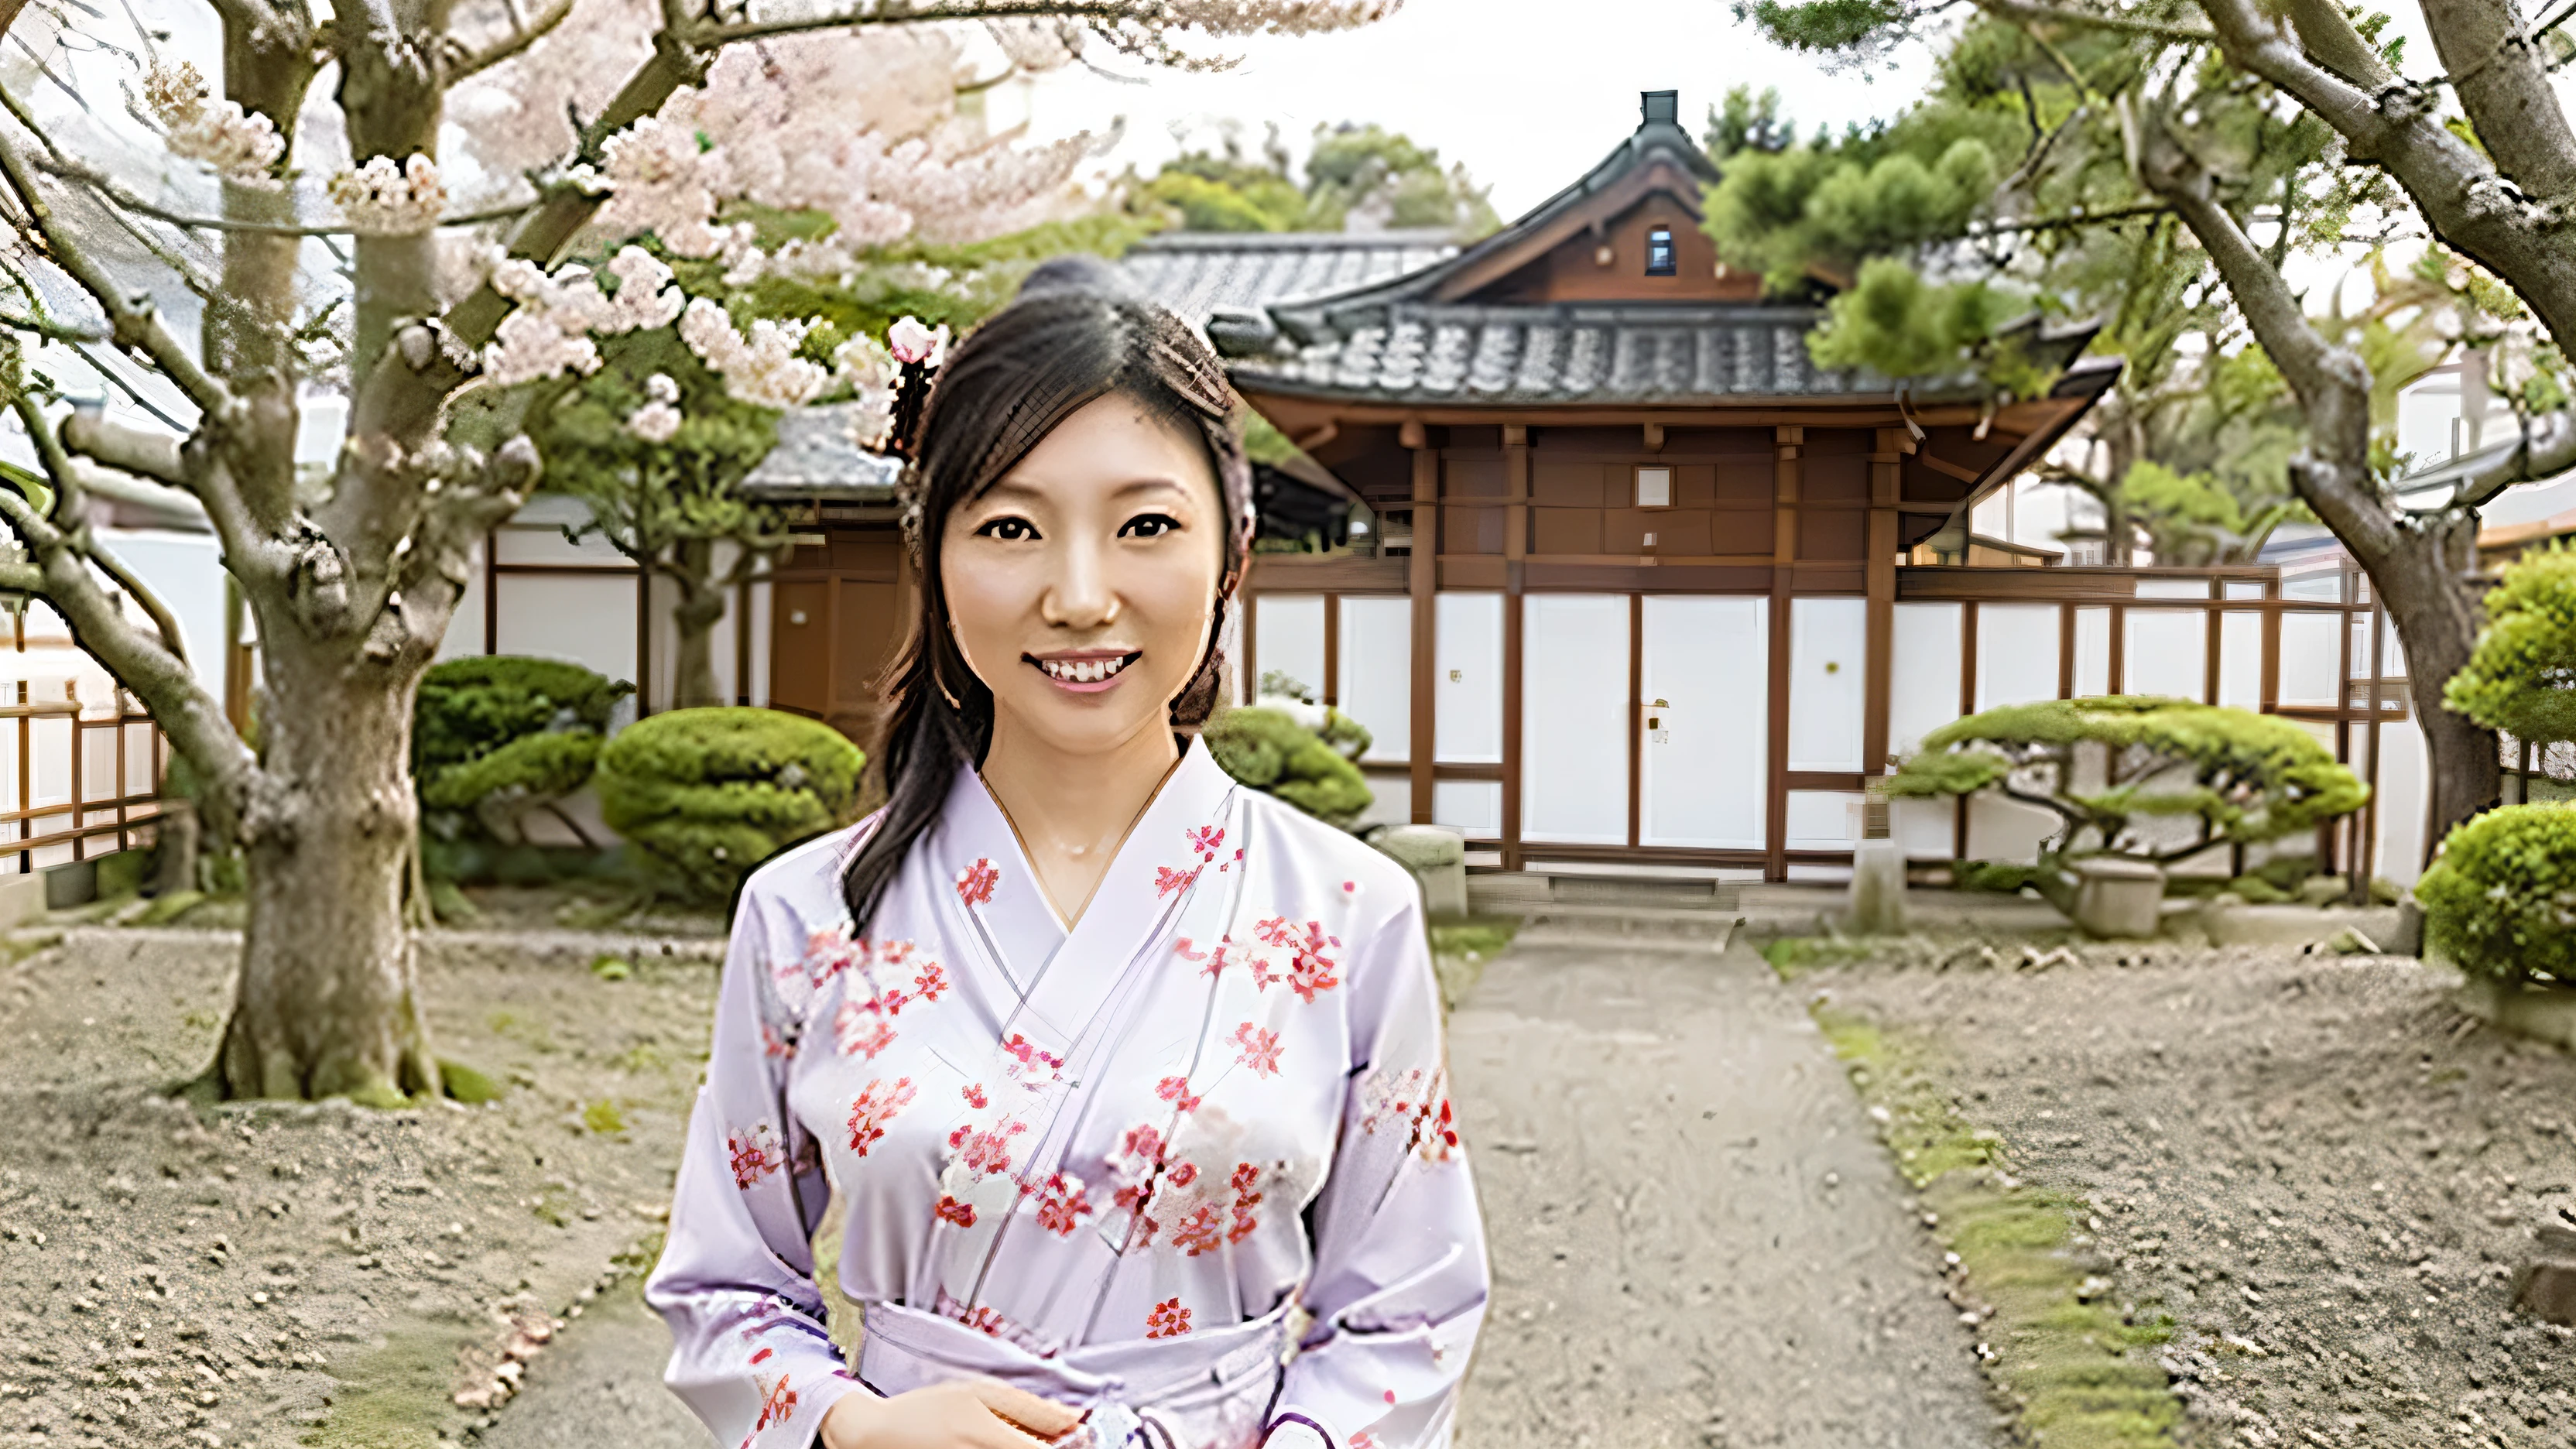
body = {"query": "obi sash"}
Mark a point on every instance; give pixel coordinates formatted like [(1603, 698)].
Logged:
[(1210, 1389)]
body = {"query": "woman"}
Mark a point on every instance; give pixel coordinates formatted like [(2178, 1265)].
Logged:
[(1116, 1064)]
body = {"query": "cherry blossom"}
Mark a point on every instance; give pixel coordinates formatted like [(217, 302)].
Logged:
[(1207, 840), (1061, 1206), (754, 1154), (1168, 880), (973, 1092), (875, 1106), (762, 368), (960, 1213), (858, 1030), (215, 134), (975, 883), (1176, 1090), (1167, 1320), (1260, 1049), (910, 341), (930, 982), (989, 1152), (1200, 1230), (777, 1405), (389, 198)]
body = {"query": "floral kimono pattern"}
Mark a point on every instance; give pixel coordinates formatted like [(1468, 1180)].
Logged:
[(1102, 1163)]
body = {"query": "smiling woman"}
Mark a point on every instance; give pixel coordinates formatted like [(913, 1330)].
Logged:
[(1022, 1018)]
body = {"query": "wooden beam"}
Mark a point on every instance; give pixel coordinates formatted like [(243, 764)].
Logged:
[(1654, 437), (1944, 465), (1516, 533), (1877, 687), (1422, 583), (1786, 474), (1636, 716)]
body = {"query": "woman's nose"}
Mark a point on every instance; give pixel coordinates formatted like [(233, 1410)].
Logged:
[(1079, 595)]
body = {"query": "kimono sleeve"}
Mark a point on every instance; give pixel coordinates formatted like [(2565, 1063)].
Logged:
[(1399, 1283), (750, 1352)]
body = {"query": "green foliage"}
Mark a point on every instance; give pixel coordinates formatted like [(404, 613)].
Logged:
[(1997, 876), (2194, 519), (2522, 677), (494, 736), (2256, 891), (1270, 751), (703, 795), (1350, 171), (1895, 322), (2246, 777), (2501, 900), (464, 1084)]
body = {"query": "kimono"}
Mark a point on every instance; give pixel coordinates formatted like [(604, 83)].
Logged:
[(1114, 1165)]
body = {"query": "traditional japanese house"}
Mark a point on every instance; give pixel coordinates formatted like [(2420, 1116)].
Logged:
[(1629, 594)]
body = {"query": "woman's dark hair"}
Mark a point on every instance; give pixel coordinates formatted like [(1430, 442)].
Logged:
[(1072, 336)]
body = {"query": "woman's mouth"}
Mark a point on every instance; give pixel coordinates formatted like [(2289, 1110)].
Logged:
[(1085, 673)]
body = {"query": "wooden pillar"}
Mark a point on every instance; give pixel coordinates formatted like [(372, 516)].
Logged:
[(1422, 582), (2271, 687), (1967, 706), (1784, 557), (1516, 528), (1328, 689), (1878, 689)]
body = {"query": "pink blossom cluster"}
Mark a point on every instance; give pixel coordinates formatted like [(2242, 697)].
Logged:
[(549, 334), (215, 134), (762, 367), (384, 198)]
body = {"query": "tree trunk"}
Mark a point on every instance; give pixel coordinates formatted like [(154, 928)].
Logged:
[(2422, 585), (701, 608), (328, 1003)]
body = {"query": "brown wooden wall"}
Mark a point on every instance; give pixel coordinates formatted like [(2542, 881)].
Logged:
[(838, 613), (1572, 271)]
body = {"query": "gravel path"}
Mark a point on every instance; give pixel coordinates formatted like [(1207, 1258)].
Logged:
[(1697, 1238), (2319, 1166)]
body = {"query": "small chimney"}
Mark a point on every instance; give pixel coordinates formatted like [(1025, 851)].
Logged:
[(1662, 107)]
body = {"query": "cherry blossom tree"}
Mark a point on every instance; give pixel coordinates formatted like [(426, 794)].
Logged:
[(350, 577)]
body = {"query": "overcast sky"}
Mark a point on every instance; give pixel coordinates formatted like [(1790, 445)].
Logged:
[(1528, 93)]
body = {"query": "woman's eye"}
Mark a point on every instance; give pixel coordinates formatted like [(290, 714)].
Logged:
[(1150, 525), (1009, 530)]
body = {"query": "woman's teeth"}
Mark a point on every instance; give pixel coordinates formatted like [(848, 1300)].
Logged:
[(1083, 671)]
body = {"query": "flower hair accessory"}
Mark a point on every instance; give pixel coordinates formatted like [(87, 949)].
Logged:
[(908, 490)]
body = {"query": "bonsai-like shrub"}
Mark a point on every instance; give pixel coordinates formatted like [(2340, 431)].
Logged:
[(2522, 677), (494, 737), (703, 795), (1307, 765), (2501, 901), (2246, 777)]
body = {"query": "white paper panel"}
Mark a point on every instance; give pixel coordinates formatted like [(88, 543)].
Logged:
[(2404, 788), (1394, 802), (589, 620), (1376, 666), (1472, 806), (1574, 718), (1288, 638), (1828, 652), (2173, 588), (2311, 652), (1923, 692), (1824, 819), (2092, 653), (1706, 659), (1924, 827), (2240, 660), (2016, 653), (2167, 649), (1467, 680)]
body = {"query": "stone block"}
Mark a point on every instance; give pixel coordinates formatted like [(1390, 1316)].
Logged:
[(1438, 860), (2548, 1286), (1878, 888), (22, 899), (2116, 897)]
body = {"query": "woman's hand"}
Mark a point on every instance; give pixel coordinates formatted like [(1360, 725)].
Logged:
[(960, 1414)]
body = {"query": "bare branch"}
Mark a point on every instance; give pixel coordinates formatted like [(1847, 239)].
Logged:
[(519, 39), (129, 450), (133, 323), (67, 505), (114, 194), (2122, 24), (46, 328)]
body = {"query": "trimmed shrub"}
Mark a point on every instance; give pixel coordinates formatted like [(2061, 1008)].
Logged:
[(2521, 679), (1272, 751), (494, 737), (2501, 901), (2246, 777), (704, 795)]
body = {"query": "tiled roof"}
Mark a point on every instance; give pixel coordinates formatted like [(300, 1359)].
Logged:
[(1559, 353), (815, 459), (1199, 273)]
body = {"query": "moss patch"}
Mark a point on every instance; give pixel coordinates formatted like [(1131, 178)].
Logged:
[(1795, 956), (1461, 948), (2079, 1373), (465, 1084), (603, 1117), (396, 1397)]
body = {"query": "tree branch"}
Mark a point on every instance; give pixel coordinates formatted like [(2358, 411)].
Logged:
[(2505, 89), (475, 62), (116, 195), (136, 328), (47, 329), (2022, 10)]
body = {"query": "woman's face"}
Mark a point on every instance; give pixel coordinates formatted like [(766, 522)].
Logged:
[(1082, 585)]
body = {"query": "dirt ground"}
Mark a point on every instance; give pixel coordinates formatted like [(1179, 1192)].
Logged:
[(1697, 1239), (238, 1279), (2325, 1173)]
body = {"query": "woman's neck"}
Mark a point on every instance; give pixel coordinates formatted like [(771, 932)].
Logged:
[(1072, 812)]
